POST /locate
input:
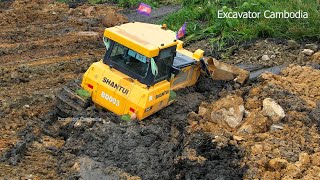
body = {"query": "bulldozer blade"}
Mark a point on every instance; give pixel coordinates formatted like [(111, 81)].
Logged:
[(222, 71)]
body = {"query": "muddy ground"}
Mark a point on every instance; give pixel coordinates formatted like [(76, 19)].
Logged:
[(45, 44)]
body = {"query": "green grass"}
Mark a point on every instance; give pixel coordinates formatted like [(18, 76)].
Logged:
[(203, 22), (226, 34)]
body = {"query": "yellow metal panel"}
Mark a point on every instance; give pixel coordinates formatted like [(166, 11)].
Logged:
[(168, 45), (92, 76), (118, 92), (192, 74), (146, 101), (144, 38), (151, 33), (110, 89), (198, 54), (189, 75), (141, 47), (179, 45)]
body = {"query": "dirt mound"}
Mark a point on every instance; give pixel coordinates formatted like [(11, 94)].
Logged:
[(152, 149), (274, 149), (303, 82)]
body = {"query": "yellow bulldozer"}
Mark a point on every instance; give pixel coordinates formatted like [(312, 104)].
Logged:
[(143, 66)]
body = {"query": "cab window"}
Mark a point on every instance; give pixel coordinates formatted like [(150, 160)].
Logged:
[(130, 60), (164, 63)]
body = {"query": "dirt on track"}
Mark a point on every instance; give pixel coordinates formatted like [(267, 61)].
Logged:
[(45, 44)]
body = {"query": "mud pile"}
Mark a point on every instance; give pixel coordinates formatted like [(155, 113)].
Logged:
[(44, 44), (276, 123), (156, 148)]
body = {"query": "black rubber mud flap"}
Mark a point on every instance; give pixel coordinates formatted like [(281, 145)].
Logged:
[(204, 66)]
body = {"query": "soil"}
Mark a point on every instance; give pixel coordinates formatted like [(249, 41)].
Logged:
[(280, 52), (273, 150), (44, 45)]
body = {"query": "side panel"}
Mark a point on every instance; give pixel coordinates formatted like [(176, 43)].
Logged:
[(121, 94), (111, 89), (187, 77), (90, 81), (146, 101)]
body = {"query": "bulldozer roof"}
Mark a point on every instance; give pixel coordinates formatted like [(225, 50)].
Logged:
[(146, 39)]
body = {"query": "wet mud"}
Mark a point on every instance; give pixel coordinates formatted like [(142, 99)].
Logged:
[(46, 44)]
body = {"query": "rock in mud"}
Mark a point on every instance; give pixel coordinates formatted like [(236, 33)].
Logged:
[(84, 123), (87, 12), (304, 159), (315, 58), (14, 75), (292, 171), (313, 47), (292, 44), (307, 52), (256, 122), (316, 159), (112, 19), (232, 116), (238, 138), (271, 175), (203, 108), (265, 58), (273, 110), (256, 149), (278, 163), (275, 127), (229, 110)]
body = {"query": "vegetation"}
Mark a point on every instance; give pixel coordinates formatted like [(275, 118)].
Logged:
[(203, 21)]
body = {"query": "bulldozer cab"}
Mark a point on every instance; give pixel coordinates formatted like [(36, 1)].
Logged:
[(148, 71), (143, 65), (149, 63)]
